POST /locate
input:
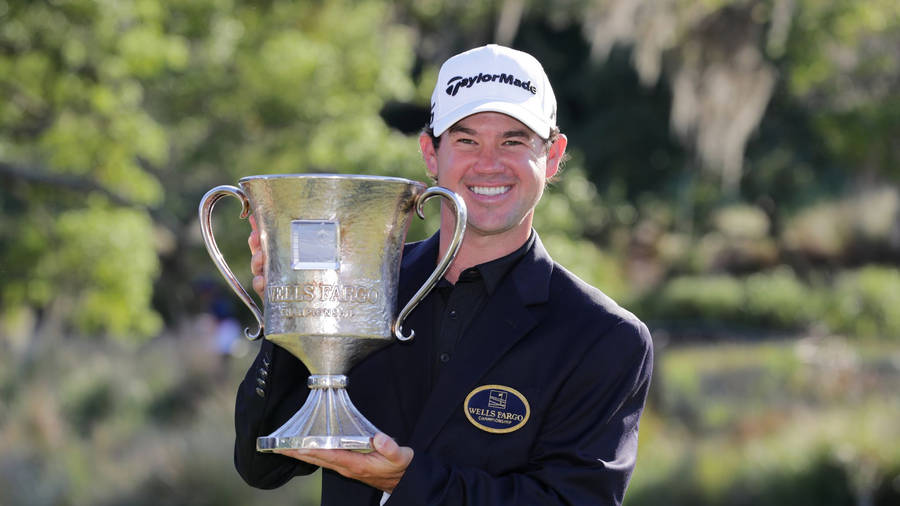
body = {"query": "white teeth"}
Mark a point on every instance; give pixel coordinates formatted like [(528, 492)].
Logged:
[(489, 190)]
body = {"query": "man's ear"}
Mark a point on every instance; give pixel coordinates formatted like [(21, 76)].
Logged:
[(429, 154), (555, 155)]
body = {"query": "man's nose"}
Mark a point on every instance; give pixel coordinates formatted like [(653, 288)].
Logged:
[(489, 159)]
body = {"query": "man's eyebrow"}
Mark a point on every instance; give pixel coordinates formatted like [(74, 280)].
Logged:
[(516, 133), (506, 135), (461, 129)]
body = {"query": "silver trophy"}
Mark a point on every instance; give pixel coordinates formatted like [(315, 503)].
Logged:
[(333, 245)]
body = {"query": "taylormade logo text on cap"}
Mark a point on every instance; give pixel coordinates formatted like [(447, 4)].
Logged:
[(468, 82), (493, 78)]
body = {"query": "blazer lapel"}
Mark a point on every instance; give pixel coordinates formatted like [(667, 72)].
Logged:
[(508, 316), (409, 359)]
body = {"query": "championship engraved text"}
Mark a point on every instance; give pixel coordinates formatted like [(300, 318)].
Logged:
[(302, 301)]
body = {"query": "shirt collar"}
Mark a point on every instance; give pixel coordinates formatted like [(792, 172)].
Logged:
[(493, 271)]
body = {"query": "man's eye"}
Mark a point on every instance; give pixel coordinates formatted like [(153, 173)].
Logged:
[(465, 141)]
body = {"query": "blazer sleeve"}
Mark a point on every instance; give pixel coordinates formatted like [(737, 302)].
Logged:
[(273, 390), (587, 446)]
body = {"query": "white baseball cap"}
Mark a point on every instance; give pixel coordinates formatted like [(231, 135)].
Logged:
[(497, 79)]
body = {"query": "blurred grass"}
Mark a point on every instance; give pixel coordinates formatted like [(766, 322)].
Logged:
[(793, 422), (85, 423), (858, 302)]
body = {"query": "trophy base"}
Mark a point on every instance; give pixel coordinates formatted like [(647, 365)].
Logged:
[(327, 420)]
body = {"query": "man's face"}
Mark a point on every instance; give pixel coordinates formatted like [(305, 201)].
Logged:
[(498, 166)]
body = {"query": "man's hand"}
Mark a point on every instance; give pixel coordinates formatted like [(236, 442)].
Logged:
[(258, 260), (381, 469)]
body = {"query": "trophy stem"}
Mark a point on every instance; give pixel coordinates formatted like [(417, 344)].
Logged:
[(327, 420)]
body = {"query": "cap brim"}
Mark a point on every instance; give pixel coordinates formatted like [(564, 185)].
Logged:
[(517, 111)]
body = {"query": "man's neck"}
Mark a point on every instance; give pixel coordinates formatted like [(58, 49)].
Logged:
[(477, 249)]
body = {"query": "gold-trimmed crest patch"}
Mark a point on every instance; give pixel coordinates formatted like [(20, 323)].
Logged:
[(497, 409)]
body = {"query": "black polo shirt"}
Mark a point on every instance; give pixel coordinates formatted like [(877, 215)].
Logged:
[(456, 305)]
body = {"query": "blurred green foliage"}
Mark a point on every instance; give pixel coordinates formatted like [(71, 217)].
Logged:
[(117, 116), (99, 424), (134, 109), (776, 299), (865, 302), (807, 421), (858, 303)]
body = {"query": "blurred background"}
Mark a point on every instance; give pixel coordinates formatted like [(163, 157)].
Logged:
[(733, 182)]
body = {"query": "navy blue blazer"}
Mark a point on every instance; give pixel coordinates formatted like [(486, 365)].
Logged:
[(582, 363)]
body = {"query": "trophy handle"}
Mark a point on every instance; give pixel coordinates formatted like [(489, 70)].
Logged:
[(206, 206), (459, 207)]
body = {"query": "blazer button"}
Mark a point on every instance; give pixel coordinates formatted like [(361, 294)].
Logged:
[(263, 373), (260, 392), (261, 382)]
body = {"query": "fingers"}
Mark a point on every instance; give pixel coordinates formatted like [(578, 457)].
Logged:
[(385, 447), (258, 260), (396, 454), (259, 286), (381, 469), (254, 242), (332, 459), (344, 462)]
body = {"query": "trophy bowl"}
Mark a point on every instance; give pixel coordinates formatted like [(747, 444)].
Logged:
[(333, 245)]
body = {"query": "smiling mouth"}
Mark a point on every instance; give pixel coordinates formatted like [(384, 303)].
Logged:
[(489, 190)]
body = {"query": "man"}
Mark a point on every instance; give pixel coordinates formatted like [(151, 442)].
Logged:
[(523, 385)]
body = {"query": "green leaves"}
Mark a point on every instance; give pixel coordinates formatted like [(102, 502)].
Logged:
[(140, 106), (106, 269)]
